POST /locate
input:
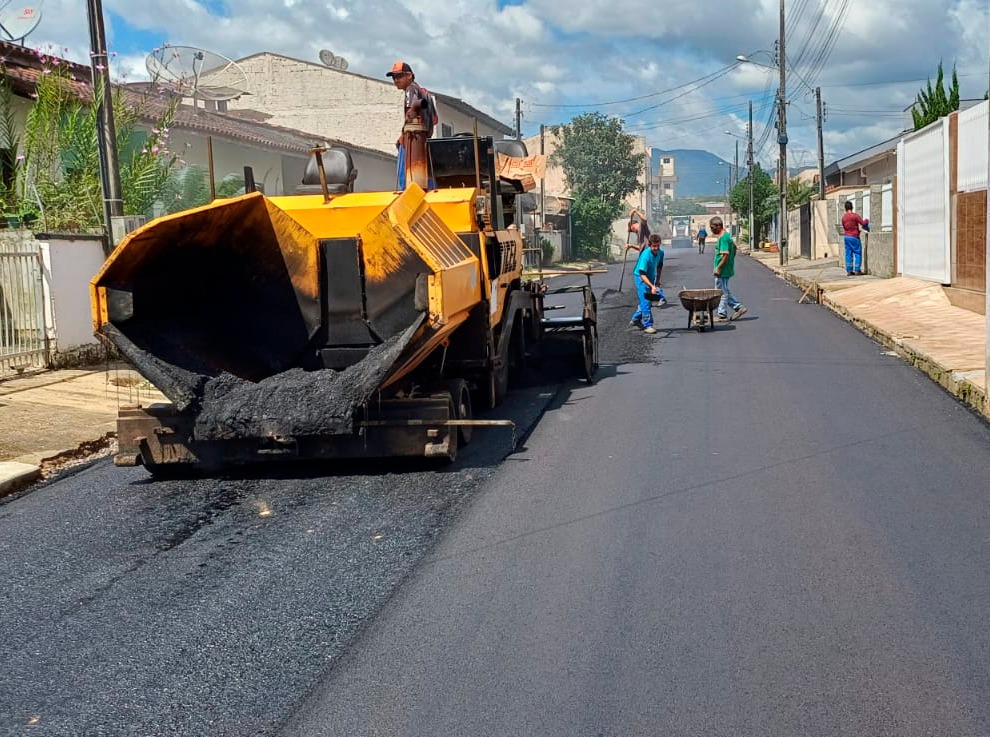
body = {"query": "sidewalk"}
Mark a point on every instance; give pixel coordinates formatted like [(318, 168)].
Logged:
[(911, 317), (50, 419)]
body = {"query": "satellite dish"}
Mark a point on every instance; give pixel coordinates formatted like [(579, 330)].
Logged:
[(334, 62), (18, 20), (197, 73)]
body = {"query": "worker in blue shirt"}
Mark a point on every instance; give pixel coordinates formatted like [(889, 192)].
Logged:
[(647, 274)]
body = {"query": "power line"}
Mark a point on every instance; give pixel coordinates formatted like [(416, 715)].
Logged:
[(708, 81), (720, 72), (882, 83)]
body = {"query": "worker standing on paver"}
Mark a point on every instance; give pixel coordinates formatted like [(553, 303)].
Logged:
[(647, 272), (417, 127)]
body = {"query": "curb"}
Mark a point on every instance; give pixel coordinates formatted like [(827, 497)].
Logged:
[(954, 382), (15, 476)]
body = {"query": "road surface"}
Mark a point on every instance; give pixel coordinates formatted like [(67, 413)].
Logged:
[(770, 529), (773, 528)]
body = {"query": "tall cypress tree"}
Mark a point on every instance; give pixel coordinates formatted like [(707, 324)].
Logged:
[(934, 102)]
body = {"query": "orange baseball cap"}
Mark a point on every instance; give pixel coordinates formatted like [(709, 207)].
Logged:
[(400, 67)]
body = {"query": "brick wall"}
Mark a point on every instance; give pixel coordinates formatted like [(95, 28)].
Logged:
[(969, 265)]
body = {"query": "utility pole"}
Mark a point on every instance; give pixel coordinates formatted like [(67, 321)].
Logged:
[(782, 138), (753, 241), (735, 166), (519, 118), (543, 181), (113, 202), (735, 183), (648, 191), (821, 146)]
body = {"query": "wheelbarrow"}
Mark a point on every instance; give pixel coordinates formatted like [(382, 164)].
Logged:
[(700, 304)]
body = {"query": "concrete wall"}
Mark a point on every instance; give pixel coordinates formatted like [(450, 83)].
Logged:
[(347, 107), (272, 170), (70, 263), (828, 242), (277, 172), (879, 258), (824, 239)]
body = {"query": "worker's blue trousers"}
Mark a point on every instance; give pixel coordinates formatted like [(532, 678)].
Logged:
[(854, 254)]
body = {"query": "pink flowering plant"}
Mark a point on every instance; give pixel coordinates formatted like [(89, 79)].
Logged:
[(53, 165)]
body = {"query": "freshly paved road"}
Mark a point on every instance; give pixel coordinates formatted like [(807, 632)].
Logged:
[(770, 529)]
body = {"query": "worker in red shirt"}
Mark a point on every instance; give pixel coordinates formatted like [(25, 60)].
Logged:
[(851, 223)]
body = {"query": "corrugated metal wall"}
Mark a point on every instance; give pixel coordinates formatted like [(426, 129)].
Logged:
[(923, 245), (973, 148)]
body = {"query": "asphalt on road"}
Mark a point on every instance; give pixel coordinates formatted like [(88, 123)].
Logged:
[(132, 606), (774, 528)]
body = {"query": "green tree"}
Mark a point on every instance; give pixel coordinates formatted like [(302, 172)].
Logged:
[(683, 207), (591, 223), (765, 196), (188, 187), (936, 102), (601, 170), (57, 165), (799, 192)]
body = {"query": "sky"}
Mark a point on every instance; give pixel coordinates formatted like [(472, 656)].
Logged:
[(668, 68)]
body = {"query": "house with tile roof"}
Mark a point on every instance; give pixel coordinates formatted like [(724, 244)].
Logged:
[(366, 111), (276, 154)]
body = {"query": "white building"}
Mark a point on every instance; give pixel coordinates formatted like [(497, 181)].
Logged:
[(342, 105)]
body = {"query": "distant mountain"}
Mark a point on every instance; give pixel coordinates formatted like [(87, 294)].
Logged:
[(699, 173)]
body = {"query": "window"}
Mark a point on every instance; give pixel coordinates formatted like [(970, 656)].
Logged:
[(446, 130), (887, 208), (666, 160), (668, 185), (8, 167)]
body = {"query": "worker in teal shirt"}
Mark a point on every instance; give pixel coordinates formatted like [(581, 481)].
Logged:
[(647, 274)]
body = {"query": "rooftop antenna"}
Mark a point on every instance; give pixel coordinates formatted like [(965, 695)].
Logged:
[(18, 20), (334, 62), (196, 73)]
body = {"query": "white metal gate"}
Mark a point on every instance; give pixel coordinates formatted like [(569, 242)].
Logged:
[(923, 244), (972, 156), (23, 334)]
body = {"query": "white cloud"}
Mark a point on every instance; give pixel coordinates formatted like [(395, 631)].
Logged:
[(553, 54)]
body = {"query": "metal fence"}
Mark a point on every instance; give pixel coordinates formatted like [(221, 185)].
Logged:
[(23, 333), (923, 211)]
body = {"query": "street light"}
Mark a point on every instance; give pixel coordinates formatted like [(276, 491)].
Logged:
[(744, 59), (781, 64), (735, 166), (749, 171)]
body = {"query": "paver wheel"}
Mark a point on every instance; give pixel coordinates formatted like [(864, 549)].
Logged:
[(460, 394)]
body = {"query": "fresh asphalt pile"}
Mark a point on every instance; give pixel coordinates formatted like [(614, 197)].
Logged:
[(295, 403), (135, 606)]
